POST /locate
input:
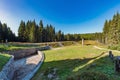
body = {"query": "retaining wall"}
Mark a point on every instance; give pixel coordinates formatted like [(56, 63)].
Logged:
[(7, 72)]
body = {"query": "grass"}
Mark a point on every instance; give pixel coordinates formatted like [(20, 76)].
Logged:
[(4, 47), (74, 61), (18, 45), (3, 60)]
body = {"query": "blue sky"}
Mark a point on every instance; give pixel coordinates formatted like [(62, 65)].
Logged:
[(70, 16)]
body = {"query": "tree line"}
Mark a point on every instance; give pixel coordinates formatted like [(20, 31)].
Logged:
[(111, 30), (6, 33), (31, 32)]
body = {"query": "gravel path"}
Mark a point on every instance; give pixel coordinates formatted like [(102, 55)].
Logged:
[(106, 49), (25, 66), (99, 48)]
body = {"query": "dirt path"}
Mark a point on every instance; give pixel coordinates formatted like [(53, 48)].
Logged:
[(60, 44), (100, 48), (56, 48), (106, 49), (76, 43), (25, 66)]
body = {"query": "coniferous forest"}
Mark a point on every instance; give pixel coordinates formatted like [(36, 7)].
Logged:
[(111, 30), (6, 33), (31, 32)]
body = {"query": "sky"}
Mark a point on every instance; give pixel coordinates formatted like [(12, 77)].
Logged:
[(70, 16)]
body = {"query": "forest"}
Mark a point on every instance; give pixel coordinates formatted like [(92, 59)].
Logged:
[(31, 32), (111, 30), (6, 33)]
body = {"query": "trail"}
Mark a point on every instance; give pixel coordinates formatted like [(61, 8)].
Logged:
[(26, 65), (76, 43), (106, 49), (56, 48), (60, 44), (99, 48)]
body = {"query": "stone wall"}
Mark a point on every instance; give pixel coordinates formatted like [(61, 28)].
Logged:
[(8, 70), (44, 48), (18, 54)]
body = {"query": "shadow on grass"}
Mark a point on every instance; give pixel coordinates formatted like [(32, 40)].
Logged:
[(65, 68)]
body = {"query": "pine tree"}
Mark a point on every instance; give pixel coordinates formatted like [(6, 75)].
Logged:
[(105, 32), (41, 31), (4, 31), (1, 32), (21, 31), (32, 32), (27, 30)]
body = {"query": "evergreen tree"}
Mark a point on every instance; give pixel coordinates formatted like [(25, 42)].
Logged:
[(41, 31), (111, 30), (1, 31), (27, 30), (32, 32), (21, 31)]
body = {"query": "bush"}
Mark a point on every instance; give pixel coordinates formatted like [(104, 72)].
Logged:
[(48, 71), (114, 47), (70, 78), (67, 43), (89, 75)]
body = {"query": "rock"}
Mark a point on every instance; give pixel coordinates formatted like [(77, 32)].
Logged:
[(50, 76), (52, 73)]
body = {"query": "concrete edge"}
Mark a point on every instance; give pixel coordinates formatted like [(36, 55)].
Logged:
[(4, 73), (32, 73)]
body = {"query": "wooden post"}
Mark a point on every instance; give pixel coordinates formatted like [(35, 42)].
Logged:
[(6, 41), (111, 56), (82, 41), (117, 64)]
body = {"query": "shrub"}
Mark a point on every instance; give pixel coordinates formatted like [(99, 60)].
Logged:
[(70, 78), (67, 43), (113, 47), (48, 71), (89, 75)]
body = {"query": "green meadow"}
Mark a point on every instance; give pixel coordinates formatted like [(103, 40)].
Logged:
[(78, 63), (72, 61)]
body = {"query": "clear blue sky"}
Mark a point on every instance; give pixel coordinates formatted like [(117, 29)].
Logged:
[(70, 16)]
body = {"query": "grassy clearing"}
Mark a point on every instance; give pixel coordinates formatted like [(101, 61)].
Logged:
[(7, 47), (73, 61), (3, 60), (4, 47), (19, 45)]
